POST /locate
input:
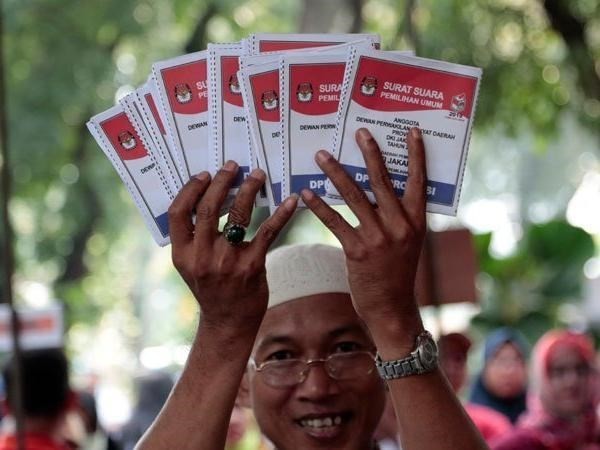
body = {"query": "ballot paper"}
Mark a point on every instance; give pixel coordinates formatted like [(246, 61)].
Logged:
[(181, 85), (137, 167), (229, 138), (275, 42), (271, 101), (388, 94), (310, 88), (259, 81), (142, 113)]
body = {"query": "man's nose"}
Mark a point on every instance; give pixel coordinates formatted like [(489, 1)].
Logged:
[(317, 383)]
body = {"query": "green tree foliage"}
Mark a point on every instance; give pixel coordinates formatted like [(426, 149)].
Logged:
[(527, 289), (533, 70)]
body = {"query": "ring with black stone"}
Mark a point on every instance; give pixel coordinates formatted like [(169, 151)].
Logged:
[(234, 233)]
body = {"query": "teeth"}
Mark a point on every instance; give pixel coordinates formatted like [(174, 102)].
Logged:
[(321, 423)]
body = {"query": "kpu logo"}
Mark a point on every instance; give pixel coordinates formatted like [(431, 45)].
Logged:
[(183, 93), (368, 86), (234, 85), (458, 103), (269, 100), (304, 92), (127, 140)]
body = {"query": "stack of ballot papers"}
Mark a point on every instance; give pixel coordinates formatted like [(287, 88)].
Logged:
[(272, 101)]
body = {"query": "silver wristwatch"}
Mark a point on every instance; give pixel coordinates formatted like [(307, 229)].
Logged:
[(423, 359)]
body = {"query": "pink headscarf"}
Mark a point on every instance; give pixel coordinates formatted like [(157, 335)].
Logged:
[(554, 432)]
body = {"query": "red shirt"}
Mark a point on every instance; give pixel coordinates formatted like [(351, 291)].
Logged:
[(32, 442), (490, 423)]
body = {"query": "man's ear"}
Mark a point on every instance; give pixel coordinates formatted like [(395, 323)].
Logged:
[(243, 396)]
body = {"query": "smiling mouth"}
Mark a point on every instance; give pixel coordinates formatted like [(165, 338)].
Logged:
[(324, 426)]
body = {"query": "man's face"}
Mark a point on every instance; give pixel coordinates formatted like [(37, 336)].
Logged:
[(320, 412)]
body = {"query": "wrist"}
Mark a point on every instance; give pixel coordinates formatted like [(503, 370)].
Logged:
[(423, 359), (228, 332), (395, 334)]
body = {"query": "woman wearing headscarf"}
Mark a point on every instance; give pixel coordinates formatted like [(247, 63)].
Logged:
[(502, 383), (561, 407)]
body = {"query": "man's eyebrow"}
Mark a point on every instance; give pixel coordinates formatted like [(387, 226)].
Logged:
[(337, 332), (274, 339), (347, 329)]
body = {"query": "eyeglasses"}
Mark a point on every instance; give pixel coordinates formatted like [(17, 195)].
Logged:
[(339, 366)]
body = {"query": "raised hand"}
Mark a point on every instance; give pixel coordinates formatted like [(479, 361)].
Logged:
[(383, 251), (229, 281)]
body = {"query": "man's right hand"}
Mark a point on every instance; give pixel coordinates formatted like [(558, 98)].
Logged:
[(229, 281)]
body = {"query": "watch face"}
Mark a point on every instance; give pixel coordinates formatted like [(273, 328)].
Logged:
[(428, 353)]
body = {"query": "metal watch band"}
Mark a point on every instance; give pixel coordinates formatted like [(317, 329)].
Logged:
[(390, 370), (410, 365)]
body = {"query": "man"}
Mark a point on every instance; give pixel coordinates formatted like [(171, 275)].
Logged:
[(329, 405), (46, 400), (311, 318)]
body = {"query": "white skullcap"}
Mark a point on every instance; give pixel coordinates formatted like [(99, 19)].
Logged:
[(295, 271)]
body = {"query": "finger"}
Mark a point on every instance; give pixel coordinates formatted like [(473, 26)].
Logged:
[(355, 198), (269, 230), (379, 177), (330, 218), (241, 210), (181, 211), (415, 195), (207, 211)]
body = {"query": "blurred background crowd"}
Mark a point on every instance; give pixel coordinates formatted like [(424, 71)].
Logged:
[(530, 198), (521, 397)]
